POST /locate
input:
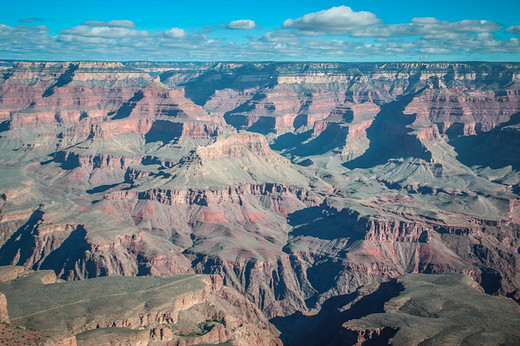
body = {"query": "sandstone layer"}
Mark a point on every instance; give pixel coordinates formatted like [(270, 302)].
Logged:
[(294, 182)]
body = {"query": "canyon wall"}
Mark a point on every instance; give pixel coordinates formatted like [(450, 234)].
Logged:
[(294, 182)]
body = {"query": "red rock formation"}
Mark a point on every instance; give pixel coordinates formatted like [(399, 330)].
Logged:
[(108, 172), (465, 112)]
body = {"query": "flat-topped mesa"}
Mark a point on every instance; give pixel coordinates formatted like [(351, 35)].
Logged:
[(102, 71), (306, 93), (40, 65), (76, 91), (280, 112), (161, 114), (76, 75), (410, 310), (155, 112), (155, 129), (243, 158), (265, 113), (422, 302), (236, 145)]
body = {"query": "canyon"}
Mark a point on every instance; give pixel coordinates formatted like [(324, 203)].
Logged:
[(294, 184)]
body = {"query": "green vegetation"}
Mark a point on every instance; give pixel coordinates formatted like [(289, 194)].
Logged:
[(204, 328)]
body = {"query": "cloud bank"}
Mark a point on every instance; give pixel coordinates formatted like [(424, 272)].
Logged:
[(112, 23), (335, 34)]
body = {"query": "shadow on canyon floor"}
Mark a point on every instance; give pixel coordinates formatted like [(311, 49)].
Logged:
[(496, 149), (391, 137), (300, 329)]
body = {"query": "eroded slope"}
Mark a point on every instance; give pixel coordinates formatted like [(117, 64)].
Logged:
[(348, 174)]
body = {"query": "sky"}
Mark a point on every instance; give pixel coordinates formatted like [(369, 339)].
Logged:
[(261, 30)]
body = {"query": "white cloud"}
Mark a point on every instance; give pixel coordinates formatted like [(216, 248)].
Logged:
[(515, 29), (425, 20), (175, 33), (112, 23), (74, 39), (281, 37), (241, 24), (426, 26), (464, 40), (444, 36), (472, 26), (334, 20), (435, 50), (103, 31)]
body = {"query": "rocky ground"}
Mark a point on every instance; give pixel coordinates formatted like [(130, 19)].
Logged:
[(296, 183), (185, 310)]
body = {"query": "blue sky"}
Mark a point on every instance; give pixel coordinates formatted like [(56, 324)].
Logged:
[(202, 30)]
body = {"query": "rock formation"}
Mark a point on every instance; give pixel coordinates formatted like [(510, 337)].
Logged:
[(184, 310), (294, 182)]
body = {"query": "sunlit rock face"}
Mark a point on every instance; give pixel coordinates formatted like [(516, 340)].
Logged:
[(294, 182)]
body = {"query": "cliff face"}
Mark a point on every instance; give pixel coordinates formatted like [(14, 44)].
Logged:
[(294, 182)]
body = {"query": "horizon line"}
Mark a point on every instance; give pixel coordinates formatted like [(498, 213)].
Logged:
[(267, 61)]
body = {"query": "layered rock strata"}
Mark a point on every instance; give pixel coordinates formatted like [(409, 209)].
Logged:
[(346, 175)]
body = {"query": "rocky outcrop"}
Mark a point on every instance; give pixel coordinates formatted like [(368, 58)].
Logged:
[(178, 310), (4, 314), (462, 113), (278, 193), (429, 302)]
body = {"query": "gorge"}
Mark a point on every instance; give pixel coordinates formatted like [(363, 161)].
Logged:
[(283, 192)]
